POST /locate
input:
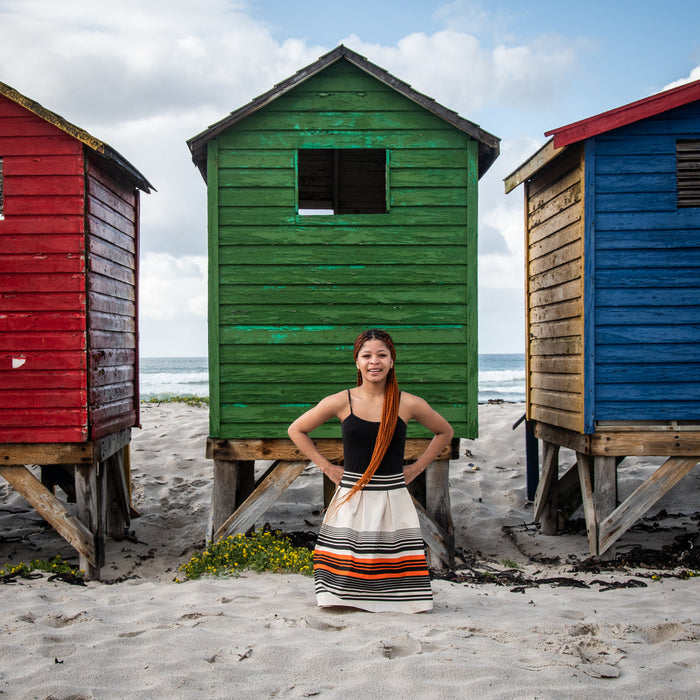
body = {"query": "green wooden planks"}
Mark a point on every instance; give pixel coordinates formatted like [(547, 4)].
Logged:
[(293, 291)]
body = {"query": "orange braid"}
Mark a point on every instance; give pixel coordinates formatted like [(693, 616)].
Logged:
[(390, 409)]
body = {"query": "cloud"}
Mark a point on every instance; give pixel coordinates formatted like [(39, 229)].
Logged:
[(694, 75), (460, 72), (172, 287)]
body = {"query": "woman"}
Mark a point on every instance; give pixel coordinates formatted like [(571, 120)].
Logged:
[(370, 553)]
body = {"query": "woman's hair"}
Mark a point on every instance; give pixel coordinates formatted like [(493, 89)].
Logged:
[(390, 408)]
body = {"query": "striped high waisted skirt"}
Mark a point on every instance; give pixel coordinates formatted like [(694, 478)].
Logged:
[(370, 552)]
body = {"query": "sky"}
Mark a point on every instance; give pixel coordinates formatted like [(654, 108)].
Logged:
[(146, 75)]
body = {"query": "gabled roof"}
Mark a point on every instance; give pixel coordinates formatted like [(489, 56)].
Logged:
[(488, 143), (627, 114), (113, 158), (601, 123)]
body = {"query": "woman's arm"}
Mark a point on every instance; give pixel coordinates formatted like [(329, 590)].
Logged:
[(420, 410), (330, 407)]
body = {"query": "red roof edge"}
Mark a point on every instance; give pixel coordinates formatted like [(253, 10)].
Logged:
[(627, 114)]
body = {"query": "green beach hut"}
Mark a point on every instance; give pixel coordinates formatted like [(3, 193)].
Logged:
[(340, 199)]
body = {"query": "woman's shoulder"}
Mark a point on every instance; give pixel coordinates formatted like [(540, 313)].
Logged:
[(411, 399), (337, 400), (412, 405)]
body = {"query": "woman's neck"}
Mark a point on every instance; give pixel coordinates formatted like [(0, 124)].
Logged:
[(372, 392)]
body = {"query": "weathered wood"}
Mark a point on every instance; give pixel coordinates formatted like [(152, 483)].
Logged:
[(437, 504), (111, 444), (531, 166), (20, 453), (286, 451), (561, 436), (605, 492), (53, 511), (90, 502), (50, 453), (649, 442), (223, 500), (637, 503), (118, 516), (545, 498), (584, 465), (436, 539), (261, 499)]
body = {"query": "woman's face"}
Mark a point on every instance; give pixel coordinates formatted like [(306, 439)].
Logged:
[(374, 361)]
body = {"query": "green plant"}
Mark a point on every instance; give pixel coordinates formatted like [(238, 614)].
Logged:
[(261, 551), (510, 563), (189, 399), (50, 566)]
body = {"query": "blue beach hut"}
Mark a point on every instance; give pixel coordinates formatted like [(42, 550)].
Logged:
[(612, 218)]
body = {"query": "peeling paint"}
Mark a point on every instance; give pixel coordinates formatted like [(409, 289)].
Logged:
[(18, 362)]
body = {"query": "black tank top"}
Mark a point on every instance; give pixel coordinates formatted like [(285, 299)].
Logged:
[(359, 436)]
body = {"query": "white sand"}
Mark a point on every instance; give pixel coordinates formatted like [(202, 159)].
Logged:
[(261, 635)]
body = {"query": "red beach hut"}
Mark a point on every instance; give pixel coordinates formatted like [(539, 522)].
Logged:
[(69, 231)]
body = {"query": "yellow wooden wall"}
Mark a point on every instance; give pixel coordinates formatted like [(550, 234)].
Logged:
[(554, 228)]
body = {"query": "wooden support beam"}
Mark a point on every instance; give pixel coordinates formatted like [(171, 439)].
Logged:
[(64, 453), (223, 498), (637, 503), (118, 516), (90, 503), (19, 454), (110, 444), (52, 510), (547, 487), (436, 539), (286, 450), (605, 493), (584, 465), (261, 499), (437, 504)]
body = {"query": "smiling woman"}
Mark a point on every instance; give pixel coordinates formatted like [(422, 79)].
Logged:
[(369, 553)]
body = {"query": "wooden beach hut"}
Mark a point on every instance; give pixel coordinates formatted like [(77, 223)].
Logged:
[(339, 200), (69, 232), (612, 241)]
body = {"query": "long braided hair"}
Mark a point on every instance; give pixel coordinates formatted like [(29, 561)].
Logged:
[(390, 409)]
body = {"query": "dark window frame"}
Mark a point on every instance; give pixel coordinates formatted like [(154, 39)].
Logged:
[(687, 173), (342, 181)]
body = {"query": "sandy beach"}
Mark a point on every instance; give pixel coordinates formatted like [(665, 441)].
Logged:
[(138, 634)]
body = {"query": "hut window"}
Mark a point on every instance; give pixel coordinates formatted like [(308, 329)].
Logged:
[(341, 181), (2, 201), (688, 172)]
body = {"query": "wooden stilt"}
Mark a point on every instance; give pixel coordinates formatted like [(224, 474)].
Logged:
[(546, 498), (223, 500), (584, 464), (436, 539), (90, 505), (605, 494), (437, 504), (118, 516)]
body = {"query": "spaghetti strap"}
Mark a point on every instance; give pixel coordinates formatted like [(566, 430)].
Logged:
[(350, 402)]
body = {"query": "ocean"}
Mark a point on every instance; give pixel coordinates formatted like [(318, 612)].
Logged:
[(501, 377)]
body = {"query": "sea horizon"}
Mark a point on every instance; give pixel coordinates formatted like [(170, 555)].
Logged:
[(501, 377)]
